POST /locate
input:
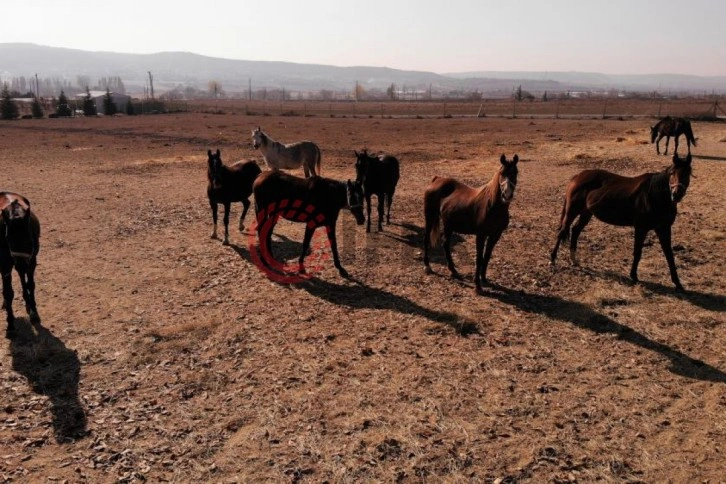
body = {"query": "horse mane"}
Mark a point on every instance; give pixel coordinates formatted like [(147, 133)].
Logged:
[(490, 191)]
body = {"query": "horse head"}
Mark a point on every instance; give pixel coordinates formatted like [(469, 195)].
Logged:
[(18, 232), (258, 137), (508, 178), (214, 168), (679, 177), (354, 199), (362, 163), (653, 133)]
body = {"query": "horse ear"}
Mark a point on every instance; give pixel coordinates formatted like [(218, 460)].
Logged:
[(209, 153), (219, 153), (515, 159), (503, 159), (356, 153)]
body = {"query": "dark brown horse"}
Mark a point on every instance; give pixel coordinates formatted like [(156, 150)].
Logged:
[(317, 197), (379, 176), (646, 202), (19, 246), (483, 211), (672, 127), (227, 184)]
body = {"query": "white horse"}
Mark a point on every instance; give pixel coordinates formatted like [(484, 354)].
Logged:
[(291, 156)]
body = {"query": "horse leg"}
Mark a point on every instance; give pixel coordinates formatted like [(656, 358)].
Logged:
[(491, 242), (227, 209), (8, 295), (657, 143), (447, 250), (245, 207), (309, 230), (389, 201), (664, 237), (668, 140), (675, 142), (334, 248), (579, 226), (381, 201), (27, 281), (426, 243), (640, 234), (368, 211), (214, 218), (479, 261)]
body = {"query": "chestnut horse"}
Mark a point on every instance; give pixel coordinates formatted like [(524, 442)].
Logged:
[(483, 211), (379, 176), (227, 184), (646, 202), (318, 196), (19, 246), (672, 127)]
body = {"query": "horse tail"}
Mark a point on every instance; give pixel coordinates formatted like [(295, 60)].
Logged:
[(563, 234), (318, 156), (689, 133), (432, 213)]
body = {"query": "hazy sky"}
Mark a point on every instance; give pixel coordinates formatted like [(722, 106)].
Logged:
[(614, 36)]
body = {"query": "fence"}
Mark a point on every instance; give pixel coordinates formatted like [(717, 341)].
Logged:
[(700, 108)]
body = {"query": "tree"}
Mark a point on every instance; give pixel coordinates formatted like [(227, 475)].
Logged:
[(89, 107), (8, 107), (391, 92), (215, 89), (62, 108), (360, 92), (36, 108), (109, 107), (544, 97), (130, 108)]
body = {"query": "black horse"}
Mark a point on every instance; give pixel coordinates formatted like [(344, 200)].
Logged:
[(379, 176), (19, 246), (646, 202), (672, 127), (315, 201), (227, 184)]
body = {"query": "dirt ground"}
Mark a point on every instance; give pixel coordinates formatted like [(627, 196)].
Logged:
[(165, 356)]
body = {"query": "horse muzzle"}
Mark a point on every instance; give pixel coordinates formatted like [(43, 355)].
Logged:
[(677, 193)]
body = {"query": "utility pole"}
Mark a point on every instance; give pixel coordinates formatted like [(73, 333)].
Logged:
[(249, 89), (151, 85)]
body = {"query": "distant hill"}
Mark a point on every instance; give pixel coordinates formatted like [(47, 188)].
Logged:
[(172, 69)]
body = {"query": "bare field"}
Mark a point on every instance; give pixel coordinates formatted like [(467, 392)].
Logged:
[(165, 356)]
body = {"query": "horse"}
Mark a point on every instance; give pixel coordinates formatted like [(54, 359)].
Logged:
[(483, 211), (379, 176), (646, 202), (289, 156), (318, 196), (19, 246), (227, 184), (672, 127)]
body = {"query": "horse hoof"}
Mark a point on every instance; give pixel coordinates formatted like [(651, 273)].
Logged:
[(343, 273), (456, 275), (479, 290), (428, 270), (680, 289), (225, 242), (34, 317)]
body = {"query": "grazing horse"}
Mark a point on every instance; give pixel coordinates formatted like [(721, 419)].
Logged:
[(227, 184), (19, 245), (318, 196), (290, 156), (646, 202), (379, 176), (483, 211), (672, 127)]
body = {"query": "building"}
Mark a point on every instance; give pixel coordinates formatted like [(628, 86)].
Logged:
[(97, 96)]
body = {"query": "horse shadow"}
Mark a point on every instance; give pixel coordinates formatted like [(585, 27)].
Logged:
[(585, 317), (52, 370), (704, 300), (358, 295)]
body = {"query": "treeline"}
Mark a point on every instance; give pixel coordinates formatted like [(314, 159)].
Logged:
[(28, 87)]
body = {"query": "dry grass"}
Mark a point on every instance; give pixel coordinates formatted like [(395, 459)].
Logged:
[(165, 356)]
